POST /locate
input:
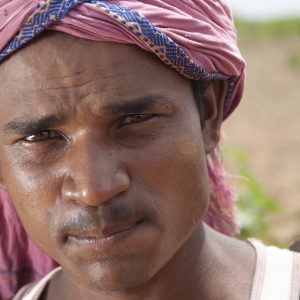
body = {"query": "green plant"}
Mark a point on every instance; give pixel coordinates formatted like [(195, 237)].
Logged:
[(268, 28), (253, 203), (294, 60)]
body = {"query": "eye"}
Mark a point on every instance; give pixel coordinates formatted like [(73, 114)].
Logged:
[(42, 136), (137, 118)]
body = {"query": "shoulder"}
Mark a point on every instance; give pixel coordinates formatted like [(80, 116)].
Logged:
[(34, 290), (277, 273), (276, 259)]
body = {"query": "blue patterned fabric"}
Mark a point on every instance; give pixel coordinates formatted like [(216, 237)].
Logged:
[(47, 12)]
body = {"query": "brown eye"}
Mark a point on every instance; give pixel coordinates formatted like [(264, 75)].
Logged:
[(132, 119), (42, 136)]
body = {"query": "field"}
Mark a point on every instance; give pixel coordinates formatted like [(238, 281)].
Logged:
[(266, 126)]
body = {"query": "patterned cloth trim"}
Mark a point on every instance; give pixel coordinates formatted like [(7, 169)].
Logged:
[(48, 12)]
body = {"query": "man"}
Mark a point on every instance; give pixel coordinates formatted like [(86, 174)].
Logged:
[(103, 150)]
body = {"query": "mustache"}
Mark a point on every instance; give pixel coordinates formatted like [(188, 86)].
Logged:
[(76, 219)]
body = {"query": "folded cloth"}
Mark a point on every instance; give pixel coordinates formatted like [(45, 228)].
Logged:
[(197, 38)]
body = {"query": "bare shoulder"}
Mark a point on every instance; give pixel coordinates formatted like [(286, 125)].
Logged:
[(236, 259)]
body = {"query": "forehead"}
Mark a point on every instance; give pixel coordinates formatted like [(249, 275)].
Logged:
[(57, 53), (60, 47), (58, 66)]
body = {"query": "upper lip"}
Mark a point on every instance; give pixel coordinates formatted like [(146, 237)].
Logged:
[(104, 231)]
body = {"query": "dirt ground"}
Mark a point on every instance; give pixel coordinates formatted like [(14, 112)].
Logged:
[(267, 126)]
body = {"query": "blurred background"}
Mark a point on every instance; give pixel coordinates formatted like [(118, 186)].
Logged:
[(262, 143)]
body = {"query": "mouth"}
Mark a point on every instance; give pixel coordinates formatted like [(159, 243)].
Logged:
[(105, 236)]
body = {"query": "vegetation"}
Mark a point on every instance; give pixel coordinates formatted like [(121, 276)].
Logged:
[(268, 29), (254, 205), (294, 60)]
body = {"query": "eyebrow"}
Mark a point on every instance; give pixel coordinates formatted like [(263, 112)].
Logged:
[(30, 127), (136, 106)]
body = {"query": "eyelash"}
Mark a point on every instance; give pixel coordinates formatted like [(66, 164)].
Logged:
[(37, 137), (52, 134), (136, 118)]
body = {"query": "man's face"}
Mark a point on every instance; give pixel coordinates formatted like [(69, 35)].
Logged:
[(102, 154)]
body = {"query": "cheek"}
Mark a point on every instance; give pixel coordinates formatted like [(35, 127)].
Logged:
[(33, 195), (175, 175), (23, 176)]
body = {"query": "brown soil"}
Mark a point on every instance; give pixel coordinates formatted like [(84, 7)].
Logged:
[(267, 126)]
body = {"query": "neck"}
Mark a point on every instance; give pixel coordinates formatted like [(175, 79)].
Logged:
[(195, 272)]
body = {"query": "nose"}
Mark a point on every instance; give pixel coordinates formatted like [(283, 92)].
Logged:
[(93, 175)]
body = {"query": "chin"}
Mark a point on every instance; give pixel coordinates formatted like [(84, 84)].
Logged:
[(116, 275)]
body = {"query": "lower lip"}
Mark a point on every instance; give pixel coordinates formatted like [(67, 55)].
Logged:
[(97, 243)]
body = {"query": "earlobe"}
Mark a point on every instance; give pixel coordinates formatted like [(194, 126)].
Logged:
[(213, 107), (2, 185)]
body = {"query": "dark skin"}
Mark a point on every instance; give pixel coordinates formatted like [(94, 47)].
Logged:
[(104, 156)]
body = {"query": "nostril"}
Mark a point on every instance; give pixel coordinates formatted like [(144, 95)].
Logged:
[(121, 182)]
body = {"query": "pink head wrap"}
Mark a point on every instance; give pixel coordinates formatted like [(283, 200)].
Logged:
[(197, 38)]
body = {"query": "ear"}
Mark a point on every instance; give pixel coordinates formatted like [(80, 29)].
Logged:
[(212, 116)]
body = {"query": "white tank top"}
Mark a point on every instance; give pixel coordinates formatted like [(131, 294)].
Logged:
[(277, 273), (277, 276)]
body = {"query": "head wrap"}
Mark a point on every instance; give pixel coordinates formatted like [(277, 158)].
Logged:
[(195, 37)]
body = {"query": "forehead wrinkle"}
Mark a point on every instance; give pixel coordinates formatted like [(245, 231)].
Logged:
[(64, 78), (58, 71), (28, 63), (84, 84)]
